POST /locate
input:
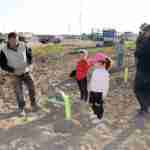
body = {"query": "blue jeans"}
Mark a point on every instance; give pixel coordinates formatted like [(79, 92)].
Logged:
[(120, 59)]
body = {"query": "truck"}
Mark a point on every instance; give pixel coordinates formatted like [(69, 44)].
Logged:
[(109, 37), (45, 39)]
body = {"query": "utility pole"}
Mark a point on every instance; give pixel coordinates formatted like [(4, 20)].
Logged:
[(80, 18), (69, 28)]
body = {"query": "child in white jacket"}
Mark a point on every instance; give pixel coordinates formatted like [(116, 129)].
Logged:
[(99, 84)]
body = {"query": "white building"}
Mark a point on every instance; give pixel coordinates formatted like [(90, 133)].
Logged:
[(130, 36)]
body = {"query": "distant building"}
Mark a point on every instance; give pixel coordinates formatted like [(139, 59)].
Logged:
[(2, 38), (129, 36), (109, 36), (69, 36), (25, 36)]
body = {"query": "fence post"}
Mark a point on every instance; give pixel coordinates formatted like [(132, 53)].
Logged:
[(126, 74), (67, 106), (126, 71)]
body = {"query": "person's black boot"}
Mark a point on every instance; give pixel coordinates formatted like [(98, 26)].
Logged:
[(86, 98), (81, 98)]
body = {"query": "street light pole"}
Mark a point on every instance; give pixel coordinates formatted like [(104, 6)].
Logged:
[(81, 6)]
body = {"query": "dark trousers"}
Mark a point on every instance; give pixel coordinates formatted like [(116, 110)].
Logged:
[(96, 101), (83, 89), (143, 99), (18, 84), (142, 90)]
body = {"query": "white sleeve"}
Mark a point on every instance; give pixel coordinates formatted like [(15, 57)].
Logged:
[(106, 87)]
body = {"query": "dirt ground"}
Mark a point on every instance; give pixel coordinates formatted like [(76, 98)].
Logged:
[(120, 129)]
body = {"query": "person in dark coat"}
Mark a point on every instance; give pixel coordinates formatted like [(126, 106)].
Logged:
[(142, 78)]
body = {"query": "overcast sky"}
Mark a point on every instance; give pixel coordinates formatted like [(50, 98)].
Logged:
[(63, 16)]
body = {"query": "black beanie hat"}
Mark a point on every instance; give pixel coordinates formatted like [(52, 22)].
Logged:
[(12, 35), (146, 28)]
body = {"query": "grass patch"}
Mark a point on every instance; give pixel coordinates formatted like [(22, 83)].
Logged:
[(130, 45), (103, 49), (95, 49), (48, 49), (23, 120), (89, 49)]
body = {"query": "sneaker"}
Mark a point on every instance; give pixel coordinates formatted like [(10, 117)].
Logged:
[(96, 121), (142, 113), (21, 112), (100, 125), (81, 98), (92, 116)]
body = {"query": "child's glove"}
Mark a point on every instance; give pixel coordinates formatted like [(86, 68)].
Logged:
[(73, 74)]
